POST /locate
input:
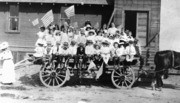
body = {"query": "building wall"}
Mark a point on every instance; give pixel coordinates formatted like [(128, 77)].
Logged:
[(23, 42), (152, 6), (170, 23)]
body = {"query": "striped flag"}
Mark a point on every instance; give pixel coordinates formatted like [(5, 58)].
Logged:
[(35, 22), (99, 72), (70, 11), (48, 18)]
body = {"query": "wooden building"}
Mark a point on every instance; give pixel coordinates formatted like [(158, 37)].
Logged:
[(142, 17)]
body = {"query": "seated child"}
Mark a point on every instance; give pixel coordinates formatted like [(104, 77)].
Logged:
[(81, 53), (105, 51), (97, 49), (39, 50), (89, 49), (130, 51), (64, 52)]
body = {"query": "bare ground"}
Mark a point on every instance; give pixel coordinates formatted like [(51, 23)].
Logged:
[(28, 89)]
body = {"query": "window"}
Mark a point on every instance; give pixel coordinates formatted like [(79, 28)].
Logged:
[(13, 19)]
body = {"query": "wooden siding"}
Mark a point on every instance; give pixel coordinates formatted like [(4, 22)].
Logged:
[(98, 2), (152, 6)]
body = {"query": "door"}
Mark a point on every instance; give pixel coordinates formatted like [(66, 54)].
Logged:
[(141, 28)]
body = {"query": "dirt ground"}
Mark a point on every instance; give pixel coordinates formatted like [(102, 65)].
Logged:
[(28, 89)]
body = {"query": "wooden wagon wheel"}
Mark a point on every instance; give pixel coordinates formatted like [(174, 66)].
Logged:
[(123, 77), (53, 78)]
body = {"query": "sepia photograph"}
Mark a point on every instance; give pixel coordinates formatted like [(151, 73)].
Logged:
[(89, 51)]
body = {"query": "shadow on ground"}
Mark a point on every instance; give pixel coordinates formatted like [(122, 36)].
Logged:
[(32, 80)]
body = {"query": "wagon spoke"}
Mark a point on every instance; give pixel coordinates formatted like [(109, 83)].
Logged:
[(46, 79), (119, 83), (122, 84), (116, 76), (126, 83), (45, 75), (61, 75), (129, 74), (57, 81), (49, 82), (53, 82), (59, 78), (128, 80), (117, 73), (116, 80)]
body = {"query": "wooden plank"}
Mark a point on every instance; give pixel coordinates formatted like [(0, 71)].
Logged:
[(142, 41), (141, 2), (147, 2), (154, 2), (142, 27), (135, 1), (141, 30), (147, 6), (142, 34), (101, 2), (140, 6), (114, 11), (142, 21)]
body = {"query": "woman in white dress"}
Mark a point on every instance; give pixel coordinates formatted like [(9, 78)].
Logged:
[(8, 72)]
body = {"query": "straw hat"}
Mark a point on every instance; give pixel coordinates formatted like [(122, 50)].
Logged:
[(105, 42), (89, 42), (73, 42), (115, 43), (121, 43), (131, 42), (88, 27), (65, 44), (4, 45), (97, 45), (91, 31), (81, 45)]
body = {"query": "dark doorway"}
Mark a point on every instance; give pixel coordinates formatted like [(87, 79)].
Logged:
[(130, 21)]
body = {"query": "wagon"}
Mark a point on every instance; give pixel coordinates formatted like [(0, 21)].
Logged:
[(55, 73)]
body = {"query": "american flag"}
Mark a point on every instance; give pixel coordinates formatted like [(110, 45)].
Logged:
[(70, 11), (35, 22), (48, 18)]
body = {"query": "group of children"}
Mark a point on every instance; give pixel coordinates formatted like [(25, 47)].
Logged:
[(67, 40)]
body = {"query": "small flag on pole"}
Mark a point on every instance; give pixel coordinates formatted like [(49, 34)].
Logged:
[(106, 58), (48, 18), (91, 65), (35, 22), (70, 11), (99, 72)]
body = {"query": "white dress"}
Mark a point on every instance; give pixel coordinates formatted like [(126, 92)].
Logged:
[(8, 72), (105, 53)]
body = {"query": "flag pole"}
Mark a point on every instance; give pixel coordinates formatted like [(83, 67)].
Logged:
[(114, 11)]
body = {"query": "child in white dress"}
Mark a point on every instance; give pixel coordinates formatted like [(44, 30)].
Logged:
[(8, 72)]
